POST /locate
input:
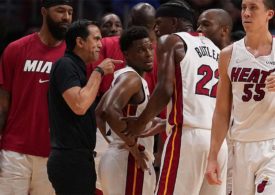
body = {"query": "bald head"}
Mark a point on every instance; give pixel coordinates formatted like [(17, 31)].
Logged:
[(142, 14), (216, 24), (221, 16)]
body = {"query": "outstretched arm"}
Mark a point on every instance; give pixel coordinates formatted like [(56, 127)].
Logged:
[(80, 99), (221, 117)]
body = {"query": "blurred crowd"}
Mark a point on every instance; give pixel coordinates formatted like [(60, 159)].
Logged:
[(20, 17)]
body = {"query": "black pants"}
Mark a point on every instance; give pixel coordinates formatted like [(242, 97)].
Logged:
[(72, 172)]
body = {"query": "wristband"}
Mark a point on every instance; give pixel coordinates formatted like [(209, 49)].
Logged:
[(100, 70)]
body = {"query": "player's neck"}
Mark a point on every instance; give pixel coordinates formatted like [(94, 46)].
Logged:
[(47, 38), (254, 40), (225, 43), (140, 72), (260, 45)]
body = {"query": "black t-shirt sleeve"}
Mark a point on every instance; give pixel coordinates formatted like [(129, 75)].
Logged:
[(66, 75)]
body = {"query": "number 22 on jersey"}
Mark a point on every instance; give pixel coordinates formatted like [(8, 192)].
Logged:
[(208, 75)]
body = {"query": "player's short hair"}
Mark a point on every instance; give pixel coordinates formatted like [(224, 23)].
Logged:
[(130, 35), (269, 4), (176, 8), (78, 28)]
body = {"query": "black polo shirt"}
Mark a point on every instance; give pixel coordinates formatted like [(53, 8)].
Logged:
[(67, 129)]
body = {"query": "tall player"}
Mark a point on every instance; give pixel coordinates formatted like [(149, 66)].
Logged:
[(216, 24), (24, 75), (128, 95), (243, 69), (188, 76)]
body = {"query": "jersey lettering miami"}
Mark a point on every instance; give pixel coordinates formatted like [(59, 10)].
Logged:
[(38, 66), (253, 106)]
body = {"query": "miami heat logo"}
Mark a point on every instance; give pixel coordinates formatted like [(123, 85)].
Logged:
[(261, 186)]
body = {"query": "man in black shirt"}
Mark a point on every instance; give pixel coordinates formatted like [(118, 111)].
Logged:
[(72, 119)]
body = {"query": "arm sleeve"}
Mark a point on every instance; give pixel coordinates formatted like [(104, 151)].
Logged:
[(66, 75)]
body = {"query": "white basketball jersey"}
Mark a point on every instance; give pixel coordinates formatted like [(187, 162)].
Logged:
[(135, 110), (253, 106), (196, 79)]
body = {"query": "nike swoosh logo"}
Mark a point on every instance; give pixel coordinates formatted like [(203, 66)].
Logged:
[(43, 81)]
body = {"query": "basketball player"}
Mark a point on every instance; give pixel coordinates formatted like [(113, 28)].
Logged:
[(216, 24), (188, 75), (110, 25), (24, 78), (243, 69), (142, 14), (127, 96)]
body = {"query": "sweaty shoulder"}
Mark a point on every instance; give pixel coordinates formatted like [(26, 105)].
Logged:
[(170, 41), (173, 45), (128, 78)]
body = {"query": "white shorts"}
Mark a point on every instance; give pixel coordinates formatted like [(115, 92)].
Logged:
[(22, 174), (100, 148), (118, 174), (184, 161), (254, 168)]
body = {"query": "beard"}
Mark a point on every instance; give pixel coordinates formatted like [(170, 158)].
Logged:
[(57, 29)]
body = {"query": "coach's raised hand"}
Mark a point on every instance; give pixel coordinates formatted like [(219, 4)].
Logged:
[(107, 66)]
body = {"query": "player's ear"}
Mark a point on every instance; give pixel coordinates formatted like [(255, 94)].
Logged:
[(79, 42), (174, 21), (225, 30), (270, 14), (43, 11)]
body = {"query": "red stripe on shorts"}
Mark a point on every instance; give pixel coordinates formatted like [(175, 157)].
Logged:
[(135, 176), (171, 161)]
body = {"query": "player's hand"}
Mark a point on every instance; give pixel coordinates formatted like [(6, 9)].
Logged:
[(141, 158), (108, 65), (158, 125), (134, 128), (213, 173), (270, 82)]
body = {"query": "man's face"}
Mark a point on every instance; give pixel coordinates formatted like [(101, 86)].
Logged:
[(140, 55), (255, 15), (111, 26), (208, 23), (92, 44), (58, 19), (163, 26)]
